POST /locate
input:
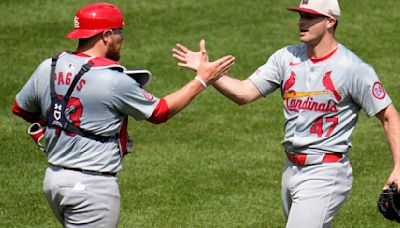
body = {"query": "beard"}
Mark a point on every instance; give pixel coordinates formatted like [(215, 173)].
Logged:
[(113, 55), (113, 51)]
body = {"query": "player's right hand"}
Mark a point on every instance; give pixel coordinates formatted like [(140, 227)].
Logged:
[(394, 178)]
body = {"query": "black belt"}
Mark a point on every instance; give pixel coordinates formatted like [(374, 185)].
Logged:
[(86, 171)]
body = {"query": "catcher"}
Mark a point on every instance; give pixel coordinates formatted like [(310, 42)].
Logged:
[(85, 98)]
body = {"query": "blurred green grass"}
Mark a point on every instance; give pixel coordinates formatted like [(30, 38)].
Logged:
[(215, 164)]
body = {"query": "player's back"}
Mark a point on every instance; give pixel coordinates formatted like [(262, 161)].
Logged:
[(92, 107)]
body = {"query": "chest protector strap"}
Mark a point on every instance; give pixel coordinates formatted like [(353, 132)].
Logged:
[(57, 114)]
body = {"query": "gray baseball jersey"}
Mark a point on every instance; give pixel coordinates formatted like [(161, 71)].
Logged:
[(99, 104), (322, 98)]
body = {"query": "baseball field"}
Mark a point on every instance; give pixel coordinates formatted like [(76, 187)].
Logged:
[(216, 164)]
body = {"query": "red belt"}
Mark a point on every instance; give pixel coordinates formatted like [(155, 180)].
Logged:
[(301, 159)]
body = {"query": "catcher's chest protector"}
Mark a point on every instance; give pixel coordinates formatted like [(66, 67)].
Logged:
[(57, 113)]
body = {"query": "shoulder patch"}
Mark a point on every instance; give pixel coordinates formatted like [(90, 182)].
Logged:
[(378, 91), (147, 94)]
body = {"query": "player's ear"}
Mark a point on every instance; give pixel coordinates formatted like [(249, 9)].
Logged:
[(106, 36), (331, 22)]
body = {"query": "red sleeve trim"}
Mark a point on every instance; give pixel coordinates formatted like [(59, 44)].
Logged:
[(28, 116), (160, 113)]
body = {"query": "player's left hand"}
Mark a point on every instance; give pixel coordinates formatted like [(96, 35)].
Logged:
[(393, 178), (211, 71), (187, 57)]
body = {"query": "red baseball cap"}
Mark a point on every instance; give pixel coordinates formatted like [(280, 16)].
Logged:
[(329, 8), (96, 18)]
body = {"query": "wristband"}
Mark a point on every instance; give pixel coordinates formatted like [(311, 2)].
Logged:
[(203, 83)]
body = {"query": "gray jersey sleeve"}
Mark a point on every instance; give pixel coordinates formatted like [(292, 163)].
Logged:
[(28, 98), (130, 99), (267, 78), (367, 91)]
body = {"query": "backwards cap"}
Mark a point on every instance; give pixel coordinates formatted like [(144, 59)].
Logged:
[(96, 18), (329, 8)]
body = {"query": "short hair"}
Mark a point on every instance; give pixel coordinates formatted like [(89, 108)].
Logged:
[(84, 41)]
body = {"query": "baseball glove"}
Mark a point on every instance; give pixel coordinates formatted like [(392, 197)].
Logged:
[(389, 203)]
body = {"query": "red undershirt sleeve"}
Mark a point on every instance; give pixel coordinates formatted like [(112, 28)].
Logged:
[(160, 113), (28, 116)]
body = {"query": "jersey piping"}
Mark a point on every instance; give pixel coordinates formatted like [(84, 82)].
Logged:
[(323, 58)]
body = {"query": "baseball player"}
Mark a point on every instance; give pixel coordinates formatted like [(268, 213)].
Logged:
[(84, 98), (323, 86)]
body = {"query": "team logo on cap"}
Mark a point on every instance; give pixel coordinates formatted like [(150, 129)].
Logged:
[(304, 2), (76, 22), (378, 91)]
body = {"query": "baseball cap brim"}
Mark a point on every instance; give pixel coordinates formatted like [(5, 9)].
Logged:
[(82, 33), (305, 10)]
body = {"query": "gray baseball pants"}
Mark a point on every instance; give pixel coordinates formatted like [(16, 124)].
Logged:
[(82, 199), (312, 195)]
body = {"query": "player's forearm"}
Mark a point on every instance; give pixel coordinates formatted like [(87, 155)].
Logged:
[(178, 100), (391, 124), (392, 131), (239, 91)]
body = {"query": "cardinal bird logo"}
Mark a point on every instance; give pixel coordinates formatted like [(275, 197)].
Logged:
[(327, 82), (289, 83), (304, 100)]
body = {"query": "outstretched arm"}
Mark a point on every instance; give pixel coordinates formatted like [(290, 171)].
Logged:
[(239, 91), (389, 117)]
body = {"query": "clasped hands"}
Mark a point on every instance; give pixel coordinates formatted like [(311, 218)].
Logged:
[(198, 61)]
